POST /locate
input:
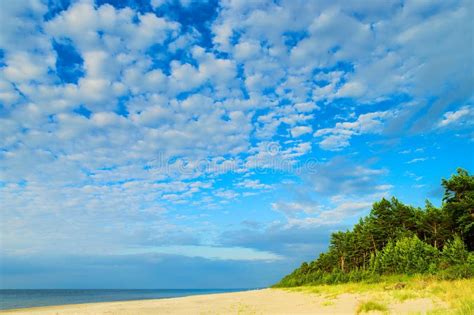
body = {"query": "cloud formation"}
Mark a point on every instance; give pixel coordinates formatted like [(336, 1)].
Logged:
[(145, 124)]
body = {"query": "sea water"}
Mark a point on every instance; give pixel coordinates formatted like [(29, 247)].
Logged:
[(10, 299)]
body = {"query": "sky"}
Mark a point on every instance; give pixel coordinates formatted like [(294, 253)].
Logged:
[(217, 144)]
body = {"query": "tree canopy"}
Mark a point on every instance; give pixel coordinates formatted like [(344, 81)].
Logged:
[(398, 238)]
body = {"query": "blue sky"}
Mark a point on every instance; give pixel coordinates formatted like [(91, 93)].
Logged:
[(178, 144)]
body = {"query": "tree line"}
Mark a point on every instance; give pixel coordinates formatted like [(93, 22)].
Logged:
[(400, 239)]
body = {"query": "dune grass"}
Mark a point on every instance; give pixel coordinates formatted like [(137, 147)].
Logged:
[(458, 294), (449, 297), (368, 306)]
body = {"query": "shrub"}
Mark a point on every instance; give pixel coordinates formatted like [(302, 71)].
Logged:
[(456, 261), (408, 255), (454, 253)]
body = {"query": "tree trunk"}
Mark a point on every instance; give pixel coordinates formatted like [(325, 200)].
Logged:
[(373, 242)]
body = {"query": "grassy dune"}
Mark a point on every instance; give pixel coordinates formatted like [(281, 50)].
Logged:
[(385, 296)]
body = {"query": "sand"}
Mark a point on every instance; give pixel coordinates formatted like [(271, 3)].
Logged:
[(266, 301)]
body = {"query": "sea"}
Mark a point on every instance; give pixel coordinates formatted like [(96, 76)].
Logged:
[(11, 299)]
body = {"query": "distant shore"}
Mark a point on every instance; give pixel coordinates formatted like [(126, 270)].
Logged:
[(336, 299)]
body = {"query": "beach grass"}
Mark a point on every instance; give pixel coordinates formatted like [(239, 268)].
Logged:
[(368, 306), (448, 296)]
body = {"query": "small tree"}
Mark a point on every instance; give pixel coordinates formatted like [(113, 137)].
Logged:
[(456, 261), (408, 255), (459, 204), (454, 252)]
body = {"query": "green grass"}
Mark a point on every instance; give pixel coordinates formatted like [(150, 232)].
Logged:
[(466, 307), (405, 295), (455, 297), (368, 306)]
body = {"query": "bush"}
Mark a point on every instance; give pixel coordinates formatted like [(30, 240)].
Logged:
[(457, 272), (408, 255), (454, 253), (456, 261)]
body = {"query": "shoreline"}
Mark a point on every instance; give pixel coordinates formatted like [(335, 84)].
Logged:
[(41, 307), (155, 294), (335, 299), (86, 307)]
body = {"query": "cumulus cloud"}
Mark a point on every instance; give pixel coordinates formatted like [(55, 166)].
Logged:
[(253, 184), (150, 126), (463, 116), (338, 137), (300, 130)]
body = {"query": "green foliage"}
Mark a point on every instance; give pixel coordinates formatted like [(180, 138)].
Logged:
[(456, 261), (467, 308), (399, 239), (455, 252), (434, 225), (408, 255), (459, 204), (369, 306)]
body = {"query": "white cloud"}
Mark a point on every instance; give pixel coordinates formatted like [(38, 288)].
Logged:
[(23, 67), (209, 252), (300, 130), (246, 50), (82, 23), (338, 137), (157, 3), (464, 115), (417, 160), (226, 194), (143, 129), (253, 184), (291, 209), (311, 215), (351, 89), (306, 107)]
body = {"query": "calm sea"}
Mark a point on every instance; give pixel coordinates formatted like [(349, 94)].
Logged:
[(30, 298)]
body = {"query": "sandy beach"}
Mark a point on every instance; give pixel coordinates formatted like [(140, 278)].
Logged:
[(265, 301)]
